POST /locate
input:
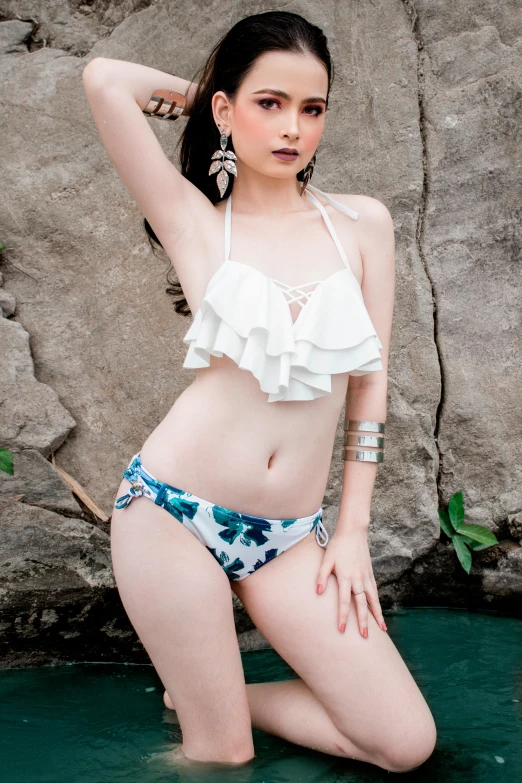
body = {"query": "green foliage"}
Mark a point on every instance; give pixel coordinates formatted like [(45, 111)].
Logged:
[(464, 537), (6, 461)]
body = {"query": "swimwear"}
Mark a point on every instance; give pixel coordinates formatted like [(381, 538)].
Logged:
[(246, 315), (240, 543)]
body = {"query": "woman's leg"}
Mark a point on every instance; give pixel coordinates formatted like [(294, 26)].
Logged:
[(178, 599), (280, 707), (363, 685)]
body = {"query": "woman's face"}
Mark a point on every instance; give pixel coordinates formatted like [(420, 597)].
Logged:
[(261, 121)]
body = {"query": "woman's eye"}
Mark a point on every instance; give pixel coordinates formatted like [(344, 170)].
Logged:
[(267, 100), (317, 109)]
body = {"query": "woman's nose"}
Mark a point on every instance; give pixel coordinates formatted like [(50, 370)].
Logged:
[(291, 129)]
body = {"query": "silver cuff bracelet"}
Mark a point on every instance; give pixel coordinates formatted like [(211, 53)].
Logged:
[(353, 427)]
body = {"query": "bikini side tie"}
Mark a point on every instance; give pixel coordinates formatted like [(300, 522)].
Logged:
[(321, 533), (137, 489)]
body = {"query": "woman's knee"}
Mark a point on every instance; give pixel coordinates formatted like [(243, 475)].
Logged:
[(413, 750)]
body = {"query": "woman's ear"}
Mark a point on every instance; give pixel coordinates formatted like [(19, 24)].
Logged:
[(221, 110)]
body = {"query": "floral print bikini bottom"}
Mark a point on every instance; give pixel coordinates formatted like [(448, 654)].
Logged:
[(239, 542)]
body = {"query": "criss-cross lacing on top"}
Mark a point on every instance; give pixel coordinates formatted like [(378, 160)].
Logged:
[(302, 296)]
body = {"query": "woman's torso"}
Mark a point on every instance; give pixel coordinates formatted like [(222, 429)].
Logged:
[(221, 439)]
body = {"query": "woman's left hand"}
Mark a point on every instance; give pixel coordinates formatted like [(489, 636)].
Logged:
[(348, 557)]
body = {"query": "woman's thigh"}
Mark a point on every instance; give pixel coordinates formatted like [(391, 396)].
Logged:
[(179, 601), (364, 684)]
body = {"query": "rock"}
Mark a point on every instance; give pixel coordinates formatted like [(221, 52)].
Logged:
[(14, 36), (40, 484), (514, 526), (438, 579), (72, 27), (427, 97), (469, 225), (7, 303), (56, 585), (504, 583), (41, 549), (390, 566), (31, 415)]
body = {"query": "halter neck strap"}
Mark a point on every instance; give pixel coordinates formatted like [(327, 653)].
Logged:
[(347, 211), (329, 225)]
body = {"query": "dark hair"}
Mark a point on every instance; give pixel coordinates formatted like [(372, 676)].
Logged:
[(232, 58)]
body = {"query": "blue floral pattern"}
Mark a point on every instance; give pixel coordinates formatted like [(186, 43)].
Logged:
[(240, 543)]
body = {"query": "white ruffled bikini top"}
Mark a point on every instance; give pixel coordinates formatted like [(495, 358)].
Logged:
[(246, 315)]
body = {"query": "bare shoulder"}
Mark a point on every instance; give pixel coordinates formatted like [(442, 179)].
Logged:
[(375, 229), (371, 210), (375, 236)]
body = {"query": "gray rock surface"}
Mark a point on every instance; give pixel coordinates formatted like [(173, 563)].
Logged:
[(31, 415), (55, 583), (7, 303), (61, 24), (425, 117), (39, 483), (14, 36)]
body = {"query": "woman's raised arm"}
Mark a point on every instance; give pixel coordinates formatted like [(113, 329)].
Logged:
[(117, 92)]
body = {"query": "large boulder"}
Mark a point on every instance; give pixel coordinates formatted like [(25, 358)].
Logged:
[(426, 98)]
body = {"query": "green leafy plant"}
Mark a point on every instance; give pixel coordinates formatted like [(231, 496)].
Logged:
[(464, 537), (6, 461)]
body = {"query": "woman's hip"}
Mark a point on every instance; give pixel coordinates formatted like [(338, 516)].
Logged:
[(240, 542)]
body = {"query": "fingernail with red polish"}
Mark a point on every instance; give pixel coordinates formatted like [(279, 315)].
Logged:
[(319, 588), (384, 627), (365, 633), (343, 626)]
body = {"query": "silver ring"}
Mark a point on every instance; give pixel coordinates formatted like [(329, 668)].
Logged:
[(360, 591)]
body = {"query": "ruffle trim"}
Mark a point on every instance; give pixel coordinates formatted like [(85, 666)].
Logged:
[(246, 317)]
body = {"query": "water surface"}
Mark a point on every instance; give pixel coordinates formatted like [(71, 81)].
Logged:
[(99, 722)]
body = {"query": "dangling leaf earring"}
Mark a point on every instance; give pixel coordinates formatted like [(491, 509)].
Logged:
[(308, 171), (223, 161)]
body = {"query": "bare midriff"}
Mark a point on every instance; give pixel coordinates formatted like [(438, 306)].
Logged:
[(224, 442)]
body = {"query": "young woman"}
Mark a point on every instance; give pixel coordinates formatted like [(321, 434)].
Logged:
[(293, 300)]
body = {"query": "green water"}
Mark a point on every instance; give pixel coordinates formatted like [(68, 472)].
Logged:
[(94, 723)]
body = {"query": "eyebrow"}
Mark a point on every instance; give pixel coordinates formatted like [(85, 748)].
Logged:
[(285, 95)]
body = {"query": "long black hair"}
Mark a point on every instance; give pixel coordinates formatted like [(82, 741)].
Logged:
[(230, 61)]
